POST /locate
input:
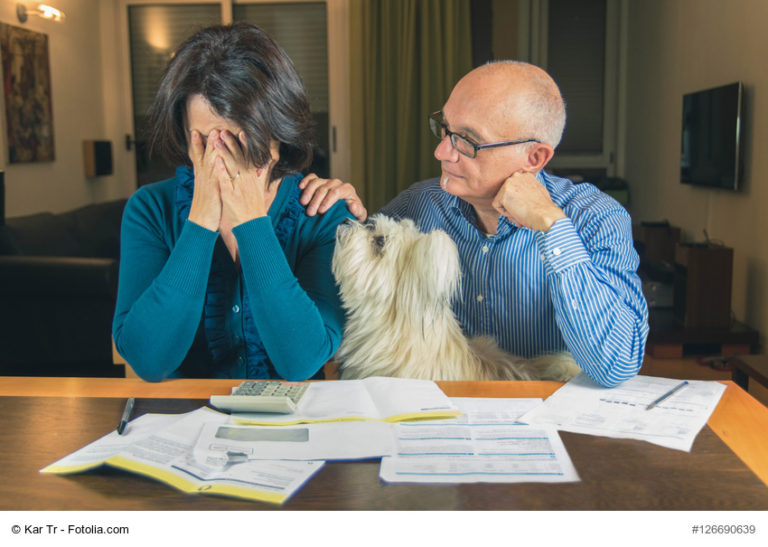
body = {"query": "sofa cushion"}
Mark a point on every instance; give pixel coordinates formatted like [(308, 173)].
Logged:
[(97, 228), (89, 231), (7, 244), (42, 234), (47, 276)]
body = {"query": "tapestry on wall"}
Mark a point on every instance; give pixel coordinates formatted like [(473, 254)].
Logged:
[(27, 86)]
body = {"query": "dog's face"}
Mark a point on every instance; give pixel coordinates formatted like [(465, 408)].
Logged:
[(385, 261)]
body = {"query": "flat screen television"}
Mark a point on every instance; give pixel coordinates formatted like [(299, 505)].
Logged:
[(711, 140)]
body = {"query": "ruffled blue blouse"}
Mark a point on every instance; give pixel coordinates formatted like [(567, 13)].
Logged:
[(233, 340)]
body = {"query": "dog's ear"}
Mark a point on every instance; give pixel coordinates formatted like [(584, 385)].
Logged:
[(433, 267)]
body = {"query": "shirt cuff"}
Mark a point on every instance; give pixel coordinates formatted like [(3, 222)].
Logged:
[(561, 247)]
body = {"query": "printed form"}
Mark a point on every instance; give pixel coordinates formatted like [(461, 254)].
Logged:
[(161, 446), (582, 406), (485, 444)]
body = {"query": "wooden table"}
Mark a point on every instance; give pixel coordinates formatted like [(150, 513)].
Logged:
[(45, 419), (745, 367)]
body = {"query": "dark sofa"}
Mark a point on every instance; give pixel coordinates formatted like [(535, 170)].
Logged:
[(58, 285)]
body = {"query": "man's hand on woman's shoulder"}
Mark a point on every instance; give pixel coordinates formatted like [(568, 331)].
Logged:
[(319, 195)]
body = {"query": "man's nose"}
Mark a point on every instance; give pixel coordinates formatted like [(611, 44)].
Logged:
[(445, 150)]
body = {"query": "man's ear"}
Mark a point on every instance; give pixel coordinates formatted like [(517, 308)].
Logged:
[(538, 157)]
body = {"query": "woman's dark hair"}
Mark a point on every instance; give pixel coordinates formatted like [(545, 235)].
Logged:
[(247, 78)]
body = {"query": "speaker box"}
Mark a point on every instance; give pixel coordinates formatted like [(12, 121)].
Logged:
[(702, 285), (97, 158), (658, 241)]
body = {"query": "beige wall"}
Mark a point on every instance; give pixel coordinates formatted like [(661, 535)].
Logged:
[(675, 47), (79, 86)]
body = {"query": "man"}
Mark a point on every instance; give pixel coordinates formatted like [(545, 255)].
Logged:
[(547, 265)]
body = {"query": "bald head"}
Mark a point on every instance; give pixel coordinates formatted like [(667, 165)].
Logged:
[(519, 95)]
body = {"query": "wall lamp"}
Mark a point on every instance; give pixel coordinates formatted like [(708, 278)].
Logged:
[(42, 10)]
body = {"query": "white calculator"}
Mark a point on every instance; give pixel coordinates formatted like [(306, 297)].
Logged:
[(273, 396)]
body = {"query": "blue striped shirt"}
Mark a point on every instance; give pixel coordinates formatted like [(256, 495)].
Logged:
[(573, 288)]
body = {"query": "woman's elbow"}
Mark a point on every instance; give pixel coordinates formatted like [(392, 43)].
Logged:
[(142, 366), (302, 373), (149, 375)]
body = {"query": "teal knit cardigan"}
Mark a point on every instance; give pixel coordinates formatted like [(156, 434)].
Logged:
[(184, 309)]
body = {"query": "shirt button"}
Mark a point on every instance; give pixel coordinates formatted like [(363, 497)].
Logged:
[(556, 251), (480, 298), (485, 248), (236, 308), (543, 258)]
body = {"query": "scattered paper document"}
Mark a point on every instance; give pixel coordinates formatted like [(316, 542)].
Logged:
[(375, 398), (220, 444), (273, 481), (491, 410), (161, 447), (582, 406), (485, 444), (98, 452)]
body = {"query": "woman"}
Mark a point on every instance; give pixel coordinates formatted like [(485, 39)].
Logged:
[(221, 272)]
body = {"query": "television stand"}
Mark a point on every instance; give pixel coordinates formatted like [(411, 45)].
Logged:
[(670, 339)]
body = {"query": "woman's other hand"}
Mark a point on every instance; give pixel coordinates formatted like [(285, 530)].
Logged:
[(206, 199), (319, 195), (245, 190)]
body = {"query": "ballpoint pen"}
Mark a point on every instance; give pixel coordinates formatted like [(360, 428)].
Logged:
[(667, 395), (126, 416)]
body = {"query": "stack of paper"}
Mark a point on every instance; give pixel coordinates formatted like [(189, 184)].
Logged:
[(207, 451), (486, 444), (476, 440), (376, 398), (582, 406), (161, 446), (222, 444)]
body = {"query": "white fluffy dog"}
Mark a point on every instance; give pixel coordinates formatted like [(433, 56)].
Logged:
[(396, 286)]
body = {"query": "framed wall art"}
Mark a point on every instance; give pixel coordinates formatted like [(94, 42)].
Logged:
[(27, 89)]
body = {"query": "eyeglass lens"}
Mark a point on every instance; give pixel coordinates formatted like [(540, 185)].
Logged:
[(461, 144)]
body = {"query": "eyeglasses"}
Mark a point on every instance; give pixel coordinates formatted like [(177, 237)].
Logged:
[(462, 144)]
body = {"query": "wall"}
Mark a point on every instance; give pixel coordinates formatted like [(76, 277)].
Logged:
[(78, 47), (683, 46), (673, 47)]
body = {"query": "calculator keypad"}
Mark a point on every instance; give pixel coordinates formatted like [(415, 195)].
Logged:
[(272, 389), (262, 396)]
